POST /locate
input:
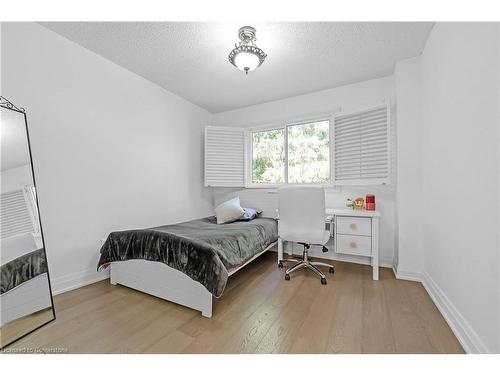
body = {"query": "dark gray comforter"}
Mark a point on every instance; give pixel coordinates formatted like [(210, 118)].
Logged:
[(22, 269), (201, 249)]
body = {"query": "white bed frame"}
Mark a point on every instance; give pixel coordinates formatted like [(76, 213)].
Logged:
[(25, 299), (162, 281)]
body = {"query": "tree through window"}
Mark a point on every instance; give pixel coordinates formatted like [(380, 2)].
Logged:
[(306, 159)]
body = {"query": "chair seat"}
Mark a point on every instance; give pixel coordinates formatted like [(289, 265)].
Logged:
[(318, 238)]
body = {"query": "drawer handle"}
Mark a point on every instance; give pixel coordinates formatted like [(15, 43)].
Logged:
[(353, 226), (354, 244)]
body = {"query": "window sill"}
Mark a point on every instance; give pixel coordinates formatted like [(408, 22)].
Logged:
[(274, 187)]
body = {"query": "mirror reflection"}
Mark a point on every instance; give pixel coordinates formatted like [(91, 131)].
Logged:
[(25, 295)]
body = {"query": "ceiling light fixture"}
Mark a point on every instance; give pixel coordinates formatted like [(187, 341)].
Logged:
[(247, 56)]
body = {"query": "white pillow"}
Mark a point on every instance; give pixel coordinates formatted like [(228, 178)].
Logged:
[(229, 211)]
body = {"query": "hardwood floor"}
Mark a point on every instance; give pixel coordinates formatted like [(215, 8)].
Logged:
[(19, 327), (259, 312)]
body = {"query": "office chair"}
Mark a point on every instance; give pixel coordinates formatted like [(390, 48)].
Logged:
[(302, 220)]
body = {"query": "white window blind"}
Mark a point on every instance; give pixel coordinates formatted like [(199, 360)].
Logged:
[(361, 147), (224, 156), (15, 215)]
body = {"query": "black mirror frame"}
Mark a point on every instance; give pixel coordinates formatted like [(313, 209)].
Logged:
[(6, 104)]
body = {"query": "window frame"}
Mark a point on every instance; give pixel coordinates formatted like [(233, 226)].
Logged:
[(284, 126), (29, 192)]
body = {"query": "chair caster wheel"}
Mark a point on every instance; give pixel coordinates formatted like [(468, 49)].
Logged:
[(280, 264), (331, 270), (323, 281), (287, 276)]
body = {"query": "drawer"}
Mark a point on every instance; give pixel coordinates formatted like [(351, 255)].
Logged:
[(354, 245), (360, 226)]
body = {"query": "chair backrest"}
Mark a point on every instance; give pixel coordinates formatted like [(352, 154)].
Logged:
[(301, 214)]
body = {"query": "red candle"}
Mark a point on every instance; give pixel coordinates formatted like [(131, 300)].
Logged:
[(370, 202)]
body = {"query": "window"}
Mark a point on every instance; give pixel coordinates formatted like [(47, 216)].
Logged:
[(348, 148), (305, 159), (309, 153), (268, 156), (30, 196)]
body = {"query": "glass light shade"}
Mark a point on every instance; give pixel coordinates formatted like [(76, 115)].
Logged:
[(246, 61)]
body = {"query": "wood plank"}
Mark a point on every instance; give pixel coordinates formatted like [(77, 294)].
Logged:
[(377, 337), (19, 327), (313, 334), (173, 343), (345, 332), (437, 330), (229, 320), (249, 334), (408, 328), (283, 332)]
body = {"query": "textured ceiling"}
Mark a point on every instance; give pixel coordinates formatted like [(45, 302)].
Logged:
[(190, 59)]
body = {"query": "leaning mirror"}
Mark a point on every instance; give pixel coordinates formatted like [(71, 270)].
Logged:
[(25, 294)]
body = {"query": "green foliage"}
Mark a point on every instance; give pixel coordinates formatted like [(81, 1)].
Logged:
[(268, 156), (308, 154), (259, 167)]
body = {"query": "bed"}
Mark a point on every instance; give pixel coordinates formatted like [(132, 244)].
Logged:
[(24, 283), (187, 263)]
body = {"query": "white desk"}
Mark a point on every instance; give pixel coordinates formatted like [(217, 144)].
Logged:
[(355, 232)]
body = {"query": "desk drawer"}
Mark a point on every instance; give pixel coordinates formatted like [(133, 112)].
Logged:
[(360, 226), (354, 245)]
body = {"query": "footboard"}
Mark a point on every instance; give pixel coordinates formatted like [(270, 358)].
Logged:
[(164, 282)]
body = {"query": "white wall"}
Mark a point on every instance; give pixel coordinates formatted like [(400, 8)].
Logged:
[(498, 271), (345, 98), (409, 256), (460, 85), (16, 178), (111, 150)]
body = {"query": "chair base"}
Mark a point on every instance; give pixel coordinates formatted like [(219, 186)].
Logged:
[(305, 263)]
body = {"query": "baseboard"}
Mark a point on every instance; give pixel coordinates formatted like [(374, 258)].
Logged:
[(406, 275), (386, 263), (77, 280), (468, 338), (463, 331)]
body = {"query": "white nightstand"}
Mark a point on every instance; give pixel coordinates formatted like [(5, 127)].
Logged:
[(355, 233)]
